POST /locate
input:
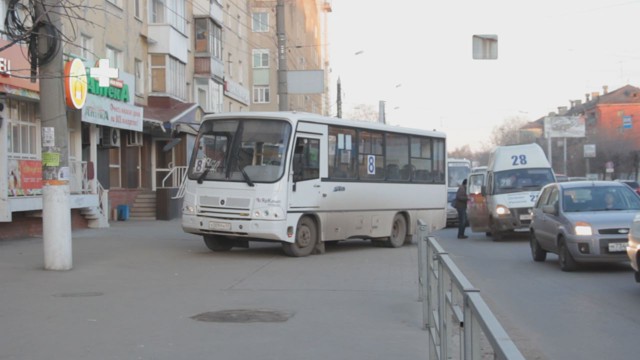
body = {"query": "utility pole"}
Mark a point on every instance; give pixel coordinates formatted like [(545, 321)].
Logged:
[(382, 116), (339, 100), (283, 96), (56, 213)]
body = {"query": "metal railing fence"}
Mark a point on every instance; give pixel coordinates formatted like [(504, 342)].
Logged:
[(460, 324)]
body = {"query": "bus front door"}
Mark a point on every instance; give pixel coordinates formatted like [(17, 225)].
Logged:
[(304, 184), (477, 209)]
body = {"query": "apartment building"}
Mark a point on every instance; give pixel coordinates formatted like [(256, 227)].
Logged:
[(176, 60), (305, 49)]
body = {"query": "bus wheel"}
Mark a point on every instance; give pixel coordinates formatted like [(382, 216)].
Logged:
[(398, 232), (306, 239), (218, 243)]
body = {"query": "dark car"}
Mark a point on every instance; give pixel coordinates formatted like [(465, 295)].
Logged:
[(632, 184), (583, 221)]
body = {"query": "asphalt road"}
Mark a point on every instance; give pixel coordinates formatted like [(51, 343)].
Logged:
[(139, 289), (588, 314)]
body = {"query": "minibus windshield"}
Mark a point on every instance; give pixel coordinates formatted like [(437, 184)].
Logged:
[(245, 150), (510, 181)]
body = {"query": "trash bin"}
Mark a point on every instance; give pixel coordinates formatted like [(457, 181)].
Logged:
[(123, 212)]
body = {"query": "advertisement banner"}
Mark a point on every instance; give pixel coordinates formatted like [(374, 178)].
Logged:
[(105, 112), (25, 177), (564, 126)]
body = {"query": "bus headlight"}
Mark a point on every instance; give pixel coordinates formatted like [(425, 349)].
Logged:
[(583, 228), (189, 209), (502, 210)]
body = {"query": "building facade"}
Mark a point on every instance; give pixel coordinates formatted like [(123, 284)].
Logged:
[(176, 60)]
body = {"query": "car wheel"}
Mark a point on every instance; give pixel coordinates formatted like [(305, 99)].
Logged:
[(537, 252), (398, 232), (567, 263), (306, 239), (218, 243), (637, 276)]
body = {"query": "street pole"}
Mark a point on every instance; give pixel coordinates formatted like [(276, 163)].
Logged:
[(382, 116), (283, 96), (339, 100), (56, 213), (565, 156)]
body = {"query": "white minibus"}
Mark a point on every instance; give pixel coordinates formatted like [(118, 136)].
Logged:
[(302, 180), (501, 195)]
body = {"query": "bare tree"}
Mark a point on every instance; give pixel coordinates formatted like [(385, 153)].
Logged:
[(463, 152), (363, 112), (510, 132), (481, 157)]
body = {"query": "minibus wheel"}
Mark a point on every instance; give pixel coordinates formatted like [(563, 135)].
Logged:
[(398, 231), (218, 243), (306, 239)]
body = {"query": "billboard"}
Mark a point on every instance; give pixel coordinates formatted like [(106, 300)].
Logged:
[(305, 81), (564, 126)]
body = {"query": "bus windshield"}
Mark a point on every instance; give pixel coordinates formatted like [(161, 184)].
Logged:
[(510, 181), (458, 170), (243, 150)]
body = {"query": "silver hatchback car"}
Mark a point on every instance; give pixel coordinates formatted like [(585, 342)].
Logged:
[(583, 221), (633, 248)]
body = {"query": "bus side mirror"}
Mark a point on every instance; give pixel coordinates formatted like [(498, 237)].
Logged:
[(483, 190)]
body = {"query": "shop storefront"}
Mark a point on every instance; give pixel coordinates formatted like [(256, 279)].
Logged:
[(21, 155)]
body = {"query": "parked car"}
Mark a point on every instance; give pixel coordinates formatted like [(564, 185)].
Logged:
[(452, 213), (633, 247), (632, 184), (583, 221)]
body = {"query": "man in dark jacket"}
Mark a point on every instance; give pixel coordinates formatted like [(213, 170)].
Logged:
[(461, 206)]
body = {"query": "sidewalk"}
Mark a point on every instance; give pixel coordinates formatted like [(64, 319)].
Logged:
[(136, 286)]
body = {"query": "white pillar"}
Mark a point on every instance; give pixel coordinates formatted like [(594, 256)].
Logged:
[(93, 156), (57, 247)]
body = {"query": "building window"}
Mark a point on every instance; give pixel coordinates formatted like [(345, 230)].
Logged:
[(240, 73), (485, 47), (168, 75), (24, 121), (115, 57), (208, 37), (260, 58), (261, 94), (136, 8), (202, 97), (260, 22), (139, 68), (230, 66), (86, 48), (169, 12)]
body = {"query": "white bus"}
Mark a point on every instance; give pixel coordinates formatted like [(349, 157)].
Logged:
[(457, 170), (302, 180)]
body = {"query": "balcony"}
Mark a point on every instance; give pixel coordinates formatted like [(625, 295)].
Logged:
[(215, 12), (210, 66), (166, 39)]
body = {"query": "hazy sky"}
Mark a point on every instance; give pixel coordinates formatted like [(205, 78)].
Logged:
[(416, 55)]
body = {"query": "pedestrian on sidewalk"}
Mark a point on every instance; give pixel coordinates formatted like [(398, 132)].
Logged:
[(461, 206)]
